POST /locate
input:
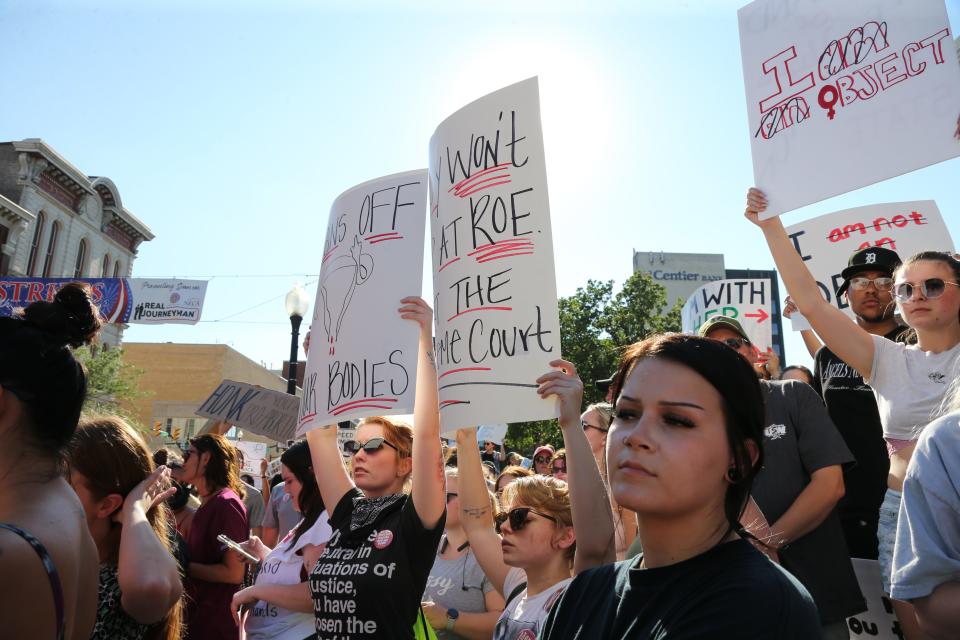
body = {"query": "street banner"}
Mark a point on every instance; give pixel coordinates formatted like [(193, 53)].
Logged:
[(269, 413), (878, 622), (495, 294), (841, 95), (826, 242), (746, 301), (121, 300), (363, 356)]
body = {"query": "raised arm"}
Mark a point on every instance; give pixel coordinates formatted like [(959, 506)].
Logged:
[(589, 502), (848, 341), (476, 513), (146, 570), (428, 480), (328, 467)]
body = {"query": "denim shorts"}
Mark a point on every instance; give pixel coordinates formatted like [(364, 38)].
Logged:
[(887, 535)]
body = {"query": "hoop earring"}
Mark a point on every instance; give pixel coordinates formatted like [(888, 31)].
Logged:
[(733, 475)]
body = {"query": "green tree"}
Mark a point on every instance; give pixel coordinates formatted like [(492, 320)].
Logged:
[(111, 382), (595, 326)]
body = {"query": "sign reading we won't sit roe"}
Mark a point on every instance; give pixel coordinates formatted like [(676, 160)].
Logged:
[(495, 299)]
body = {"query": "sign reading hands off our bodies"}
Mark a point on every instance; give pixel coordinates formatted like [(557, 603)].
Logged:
[(826, 242), (841, 95), (747, 301), (495, 298), (363, 356)]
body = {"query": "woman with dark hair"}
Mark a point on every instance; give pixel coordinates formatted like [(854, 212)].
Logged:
[(368, 581), (215, 573), (123, 498), (909, 381), (279, 600), (682, 452), (48, 561)]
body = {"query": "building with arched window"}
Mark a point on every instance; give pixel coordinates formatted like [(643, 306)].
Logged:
[(57, 222)]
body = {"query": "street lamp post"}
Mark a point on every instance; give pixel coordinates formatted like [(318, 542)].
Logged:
[(296, 304)]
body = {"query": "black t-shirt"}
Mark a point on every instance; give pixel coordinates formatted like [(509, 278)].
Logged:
[(798, 439), (853, 408), (731, 591), (493, 458), (371, 576)]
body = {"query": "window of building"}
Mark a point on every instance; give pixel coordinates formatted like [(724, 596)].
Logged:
[(105, 270), (51, 249), (81, 259), (116, 269), (35, 245)]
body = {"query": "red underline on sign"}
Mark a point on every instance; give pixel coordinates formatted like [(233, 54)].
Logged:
[(350, 404), (505, 255), (466, 182), (449, 403), (385, 239), (337, 412), (516, 246), (380, 235), (479, 309), (506, 244), (306, 418), (446, 373), (447, 264), (327, 254), (480, 186)]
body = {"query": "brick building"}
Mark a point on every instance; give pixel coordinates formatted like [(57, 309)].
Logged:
[(57, 222)]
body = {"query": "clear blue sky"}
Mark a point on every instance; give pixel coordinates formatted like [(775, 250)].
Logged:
[(230, 127)]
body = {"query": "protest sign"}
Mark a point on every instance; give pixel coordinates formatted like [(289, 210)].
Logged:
[(494, 433), (121, 300), (826, 242), (879, 620), (268, 413), (253, 453), (841, 95), (495, 298), (747, 301), (363, 359)]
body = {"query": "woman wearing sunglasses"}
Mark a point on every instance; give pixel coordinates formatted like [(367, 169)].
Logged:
[(909, 381), (550, 529), (682, 452), (459, 601), (368, 581), (596, 423)]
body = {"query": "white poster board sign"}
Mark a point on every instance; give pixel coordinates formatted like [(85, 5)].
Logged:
[(166, 301), (495, 295), (494, 433), (826, 242), (363, 356), (841, 95), (878, 621), (746, 301), (269, 413), (253, 453)]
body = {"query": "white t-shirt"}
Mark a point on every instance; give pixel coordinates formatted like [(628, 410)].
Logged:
[(910, 385), (283, 566), (525, 615)]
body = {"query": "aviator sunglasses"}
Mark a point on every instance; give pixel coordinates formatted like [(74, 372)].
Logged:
[(929, 288), (370, 446), (518, 518), (735, 343)]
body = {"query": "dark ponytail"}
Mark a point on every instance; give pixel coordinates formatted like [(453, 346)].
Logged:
[(37, 366)]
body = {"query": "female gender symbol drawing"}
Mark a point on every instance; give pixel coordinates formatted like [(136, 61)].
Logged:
[(338, 285)]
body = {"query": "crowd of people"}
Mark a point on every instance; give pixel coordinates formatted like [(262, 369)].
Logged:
[(712, 495)]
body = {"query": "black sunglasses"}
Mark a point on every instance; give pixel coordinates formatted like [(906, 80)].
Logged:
[(540, 460), (518, 518), (587, 425), (562, 468), (735, 343), (372, 445), (188, 453), (929, 288), (451, 496)]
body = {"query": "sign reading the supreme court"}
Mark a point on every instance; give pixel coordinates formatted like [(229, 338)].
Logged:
[(363, 356), (495, 297), (826, 242), (747, 301), (266, 412), (841, 95)]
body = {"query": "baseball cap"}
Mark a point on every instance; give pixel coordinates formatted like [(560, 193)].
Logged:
[(544, 448), (721, 321), (869, 259)]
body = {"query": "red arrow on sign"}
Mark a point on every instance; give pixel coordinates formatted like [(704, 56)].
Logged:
[(760, 314)]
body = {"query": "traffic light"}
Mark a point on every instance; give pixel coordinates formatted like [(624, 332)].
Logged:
[(156, 429), (176, 434)]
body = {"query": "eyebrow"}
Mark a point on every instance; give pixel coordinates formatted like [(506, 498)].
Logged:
[(669, 403)]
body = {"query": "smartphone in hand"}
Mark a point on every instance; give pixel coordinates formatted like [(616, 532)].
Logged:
[(236, 547)]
